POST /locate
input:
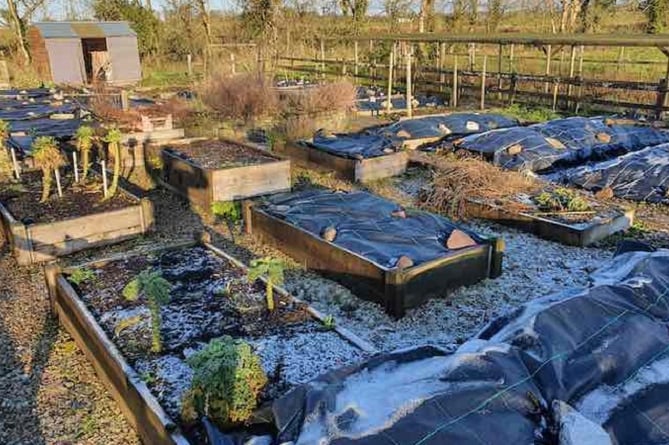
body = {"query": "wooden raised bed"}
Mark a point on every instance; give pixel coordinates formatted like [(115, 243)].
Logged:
[(138, 404), (358, 170), (133, 152), (37, 243), (396, 290), (577, 234), (204, 186)]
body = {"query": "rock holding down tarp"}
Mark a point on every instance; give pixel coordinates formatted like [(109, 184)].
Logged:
[(479, 395), (387, 139), (370, 226)]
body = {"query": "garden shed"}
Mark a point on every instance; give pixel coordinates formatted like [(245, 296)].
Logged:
[(85, 52)]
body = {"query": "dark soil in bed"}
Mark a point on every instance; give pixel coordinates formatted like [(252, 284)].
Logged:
[(215, 154), (23, 199)]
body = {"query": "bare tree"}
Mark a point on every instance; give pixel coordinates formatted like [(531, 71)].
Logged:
[(19, 14)]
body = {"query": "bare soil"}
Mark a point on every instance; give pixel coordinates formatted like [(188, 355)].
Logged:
[(216, 154), (23, 200)]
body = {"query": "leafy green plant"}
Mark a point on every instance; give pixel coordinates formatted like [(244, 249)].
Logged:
[(329, 323), (530, 114), (47, 158), (561, 199), (272, 270), (85, 136), (228, 211), (82, 275), (113, 139), (156, 290), (227, 379)]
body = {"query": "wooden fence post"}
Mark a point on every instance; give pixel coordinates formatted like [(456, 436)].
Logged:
[(409, 96), (391, 61), (454, 93), (190, 64), (442, 75), (548, 66), (483, 73), (571, 74), (322, 59), (355, 58), (500, 55)]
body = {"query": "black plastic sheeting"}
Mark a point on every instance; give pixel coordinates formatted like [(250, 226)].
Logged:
[(422, 396), (365, 224), (387, 139), (561, 143), (639, 176), (604, 350), (535, 152)]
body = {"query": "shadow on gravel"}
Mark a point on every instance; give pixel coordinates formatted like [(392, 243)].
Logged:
[(27, 334)]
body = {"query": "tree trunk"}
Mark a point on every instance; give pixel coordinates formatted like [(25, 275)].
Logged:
[(19, 29), (46, 184)]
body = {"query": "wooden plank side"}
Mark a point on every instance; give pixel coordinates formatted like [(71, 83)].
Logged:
[(381, 167), (142, 137), (254, 180), (318, 254), (136, 402), (188, 180), (309, 157)]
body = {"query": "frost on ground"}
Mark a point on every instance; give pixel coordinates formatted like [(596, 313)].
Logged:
[(532, 268), (169, 378), (296, 359)]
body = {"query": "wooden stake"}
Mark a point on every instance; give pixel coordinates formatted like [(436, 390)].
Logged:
[(391, 62), (409, 96), (580, 77), (76, 170), (58, 185), (190, 65), (323, 58), (104, 178), (483, 75), (571, 71), (125, 101), (233, 65), (355, 57), (548, 66), (15, 162), (454, 94), (442, 57), (500, 55)]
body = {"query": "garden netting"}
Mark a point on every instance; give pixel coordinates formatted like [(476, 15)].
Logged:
[(638, 176), (603, 350), (365, 225), (387, 139)]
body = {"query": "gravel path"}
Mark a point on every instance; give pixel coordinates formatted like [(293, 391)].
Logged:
[(49, 393)]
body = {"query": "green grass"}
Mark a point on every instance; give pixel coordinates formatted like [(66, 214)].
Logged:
[(525, 114)]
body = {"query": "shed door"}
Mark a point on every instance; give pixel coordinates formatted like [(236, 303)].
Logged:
[(124, 59), (66, 59)]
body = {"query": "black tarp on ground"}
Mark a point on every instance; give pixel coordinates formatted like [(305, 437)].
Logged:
[(588, 348), (638, 176), (387, 139), (365, 224), (519, 148), (593, 139), (479, 395)]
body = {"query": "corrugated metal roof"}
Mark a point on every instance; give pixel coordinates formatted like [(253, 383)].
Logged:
[(84, 30)]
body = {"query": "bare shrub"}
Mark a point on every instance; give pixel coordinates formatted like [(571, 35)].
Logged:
[(245, 96), (336, 97), (456, 179)]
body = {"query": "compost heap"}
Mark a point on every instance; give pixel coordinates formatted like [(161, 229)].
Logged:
[(380, 141), (602, 350), (560, 143), (367, 225)]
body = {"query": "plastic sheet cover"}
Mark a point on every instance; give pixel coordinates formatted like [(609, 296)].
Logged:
[(603, 350), (380, 141), (519, 148), (593, 139), (365, 224), (423, 396), (638, 176)]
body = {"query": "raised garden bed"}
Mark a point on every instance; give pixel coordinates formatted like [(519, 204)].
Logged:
[(210, 297), (211, 170), (359, 170), (81, 219), (368, 236), (133, 152), (571, 228)]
